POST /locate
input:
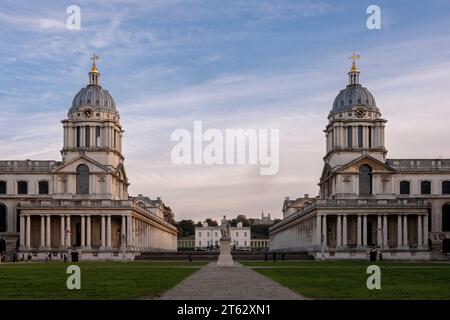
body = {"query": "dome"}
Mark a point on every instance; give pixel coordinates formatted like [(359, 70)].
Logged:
[(354, 95), (94, 96)]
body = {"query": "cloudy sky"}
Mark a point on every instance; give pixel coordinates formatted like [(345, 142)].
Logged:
[(231, 64)]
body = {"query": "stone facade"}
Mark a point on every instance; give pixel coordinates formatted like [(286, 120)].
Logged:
[(397, 207), (81, 203), (209, 236)]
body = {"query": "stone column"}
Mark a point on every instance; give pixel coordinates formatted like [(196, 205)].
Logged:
[(419, 231), (318, 230), (129, 232), (22, 231), (405, 231), (123, 232), (62, 241), (399, 231), (379, 228), (344, 230), (358, 231), (108, 231), (325, 230), (28, 236), (103, 233), (425, 230), (339, 232), (42, 245), (68, 232), (365, 230), (88, 232), (385, 232), (48, 238), (83, 232)]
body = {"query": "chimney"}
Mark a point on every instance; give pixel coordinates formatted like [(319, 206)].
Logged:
[(306, 196)]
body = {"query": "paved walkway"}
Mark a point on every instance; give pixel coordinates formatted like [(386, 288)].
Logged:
[(229, 283)]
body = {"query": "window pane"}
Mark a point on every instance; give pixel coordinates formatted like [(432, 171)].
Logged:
[(350, 137), (2, 187), (3, 218), (43, 187), (97, 136), (425, 187), (83, 179), (78, 137), (360, 136), (446, 187), (365, 180), (22, 187), (87, 136), (404, 187)]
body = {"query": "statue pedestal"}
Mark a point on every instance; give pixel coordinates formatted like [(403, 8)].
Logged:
[(225, 258)]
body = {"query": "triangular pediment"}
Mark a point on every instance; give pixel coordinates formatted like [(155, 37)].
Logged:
[(376, 165), (71, 166)]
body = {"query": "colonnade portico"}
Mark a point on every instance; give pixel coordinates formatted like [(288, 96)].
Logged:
[(336, 226)]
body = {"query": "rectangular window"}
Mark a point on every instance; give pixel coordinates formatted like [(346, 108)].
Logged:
[(87, 136), (43, 187), (207, 234), (405, 187), (114, 138), (2, 187), (22, 187), (237, 234), (350, 137), (199, 234), (446, 187), (78, 137), (97, 136), (245, 234), (332, 138), (360, 136), (370, 137), (425, 187)]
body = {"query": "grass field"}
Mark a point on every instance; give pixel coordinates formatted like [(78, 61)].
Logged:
[(347, 280), (132, 280)]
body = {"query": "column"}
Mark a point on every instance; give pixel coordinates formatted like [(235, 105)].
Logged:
[(344, 231), (379, 228), (405, 231), (108, 231), (63, 233), (42, 245), (83, 232), (22, 231), (339, 232), (419, 231), (425, 230), (385, 232), (48, 238), (103, 233), (28, 239), (129, 231), (123, 232), (325, 231), (399, 231), (318, 229), (365, 230), (88, 232), (358, 231), (68, 232)]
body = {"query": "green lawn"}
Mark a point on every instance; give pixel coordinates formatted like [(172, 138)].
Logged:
[(115, 280), (347, 280)]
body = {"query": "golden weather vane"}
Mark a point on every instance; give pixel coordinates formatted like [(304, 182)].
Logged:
[(354, 57)]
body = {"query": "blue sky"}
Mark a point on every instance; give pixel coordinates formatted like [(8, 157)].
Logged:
[(245, 64)]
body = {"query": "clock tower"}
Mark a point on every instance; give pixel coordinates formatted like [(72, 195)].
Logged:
[(355, 126)]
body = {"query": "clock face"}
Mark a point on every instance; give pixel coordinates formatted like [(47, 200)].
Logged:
[(87, 113), (360, 112)]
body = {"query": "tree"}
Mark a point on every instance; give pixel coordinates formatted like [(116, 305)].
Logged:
[(169, 215), (242, 218), (186, 228), (199, 224), (211, 223)]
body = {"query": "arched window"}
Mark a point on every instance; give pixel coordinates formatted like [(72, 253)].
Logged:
[(43, 187), (82, 179), (445, 187), (22, 187), (2, 217), (405, 187), (425, 187), (365, 180), (446, 218), (2, 187)]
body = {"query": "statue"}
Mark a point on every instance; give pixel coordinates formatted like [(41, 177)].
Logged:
[(225, 229)]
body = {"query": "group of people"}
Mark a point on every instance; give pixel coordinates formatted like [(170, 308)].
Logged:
[(28, 257)]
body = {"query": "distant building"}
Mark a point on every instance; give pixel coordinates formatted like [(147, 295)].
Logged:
[(292, 206), (260, 244), (209, 237), (265, 220)]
